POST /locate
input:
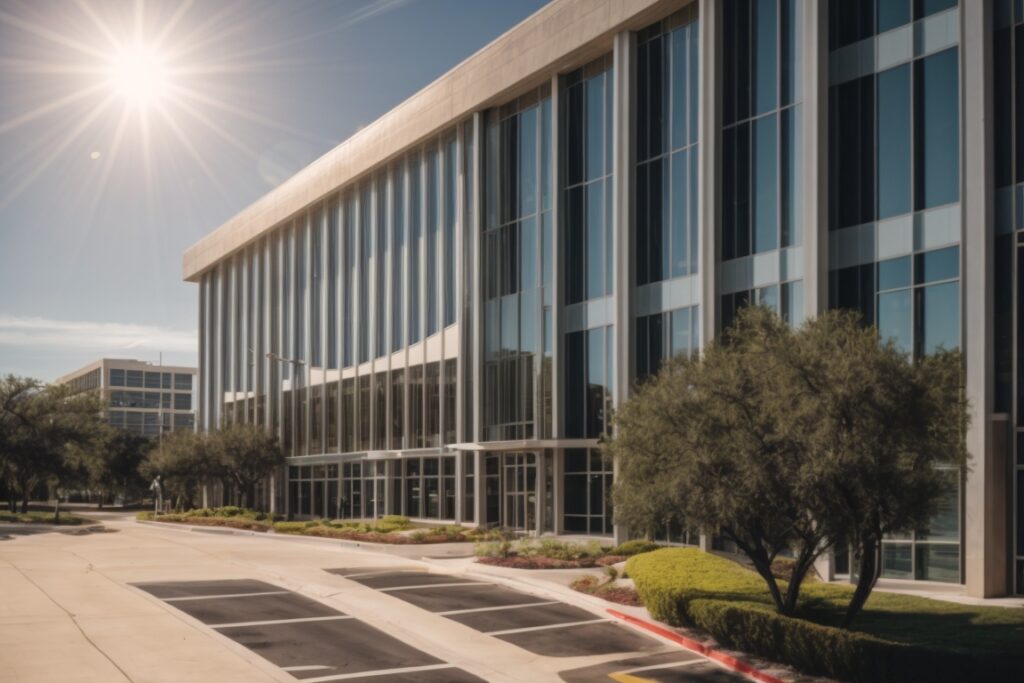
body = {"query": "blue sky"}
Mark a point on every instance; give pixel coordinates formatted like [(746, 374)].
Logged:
[(109, 170)]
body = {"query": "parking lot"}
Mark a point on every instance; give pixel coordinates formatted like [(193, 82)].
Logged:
[(549, 628), (306, 638), (163, 604)]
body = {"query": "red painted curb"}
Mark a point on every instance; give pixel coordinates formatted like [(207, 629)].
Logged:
[(728, 660)]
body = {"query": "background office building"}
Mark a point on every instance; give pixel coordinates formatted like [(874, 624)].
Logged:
[(439, 315), (139, 396)]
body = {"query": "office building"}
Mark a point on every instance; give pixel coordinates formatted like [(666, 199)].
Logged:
[(438, 315), (139, 396)]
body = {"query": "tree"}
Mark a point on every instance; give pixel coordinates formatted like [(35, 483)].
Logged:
[(41, 429), (184, 461), (886, 434), (248, 454), (714, 442), (784, 440), (113, 463)]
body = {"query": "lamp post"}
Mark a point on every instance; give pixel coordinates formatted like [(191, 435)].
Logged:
[(297, 364)]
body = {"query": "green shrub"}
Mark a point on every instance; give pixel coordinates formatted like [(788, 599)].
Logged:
[(289, 527), (685, 586), (635, 547), (396, 522)]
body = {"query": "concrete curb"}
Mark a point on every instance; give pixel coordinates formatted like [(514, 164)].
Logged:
[(726, 660)]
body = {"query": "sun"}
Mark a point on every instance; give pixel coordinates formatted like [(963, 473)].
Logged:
[(138, 73)]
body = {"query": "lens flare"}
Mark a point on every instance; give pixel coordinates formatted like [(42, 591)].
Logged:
[(139, 75)]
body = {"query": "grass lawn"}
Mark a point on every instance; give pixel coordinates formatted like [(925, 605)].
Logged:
[(682, 574), (42, 518)]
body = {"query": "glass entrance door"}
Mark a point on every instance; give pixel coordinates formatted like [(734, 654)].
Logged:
[(520, 484)]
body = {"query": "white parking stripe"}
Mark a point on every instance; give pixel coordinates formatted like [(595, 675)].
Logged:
[(270, 622), (668, 665), (378, 672), (567, 624), (307, 667), (224, 595), (495, 609), (432, 585)]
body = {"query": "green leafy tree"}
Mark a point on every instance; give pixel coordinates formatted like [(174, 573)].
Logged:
[(783, 440), (184, 461), (713, 442), (44, 431), (887, 436), (113, 463), (248, 454)]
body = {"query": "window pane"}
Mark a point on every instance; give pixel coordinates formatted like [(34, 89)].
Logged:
[(940, 312), (897, 561), (937, 159), (894, 273), (894, 141), (895, 319), (892, 13), (595, 127), (765, 55), (939, 562), (766, 202), (680, 213), (941, 264), (595, 240)]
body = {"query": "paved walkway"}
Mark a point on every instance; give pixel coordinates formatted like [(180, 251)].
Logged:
[(133, 602)]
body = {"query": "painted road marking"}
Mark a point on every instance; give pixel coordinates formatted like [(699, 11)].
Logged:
[(528, 629), (497, 608), (379, 672), (431, 585), (666, 665), (224, 595), (307, 667), (271, 622)]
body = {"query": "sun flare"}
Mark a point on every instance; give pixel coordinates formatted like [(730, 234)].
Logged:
[(138, 73)]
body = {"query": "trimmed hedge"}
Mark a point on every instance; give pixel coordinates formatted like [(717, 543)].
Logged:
[(635, 547), (687, 587)]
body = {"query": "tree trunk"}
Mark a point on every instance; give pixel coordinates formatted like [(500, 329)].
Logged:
[(800, 569), (56, 511), (763, 566), (24, 501), (869, 571)]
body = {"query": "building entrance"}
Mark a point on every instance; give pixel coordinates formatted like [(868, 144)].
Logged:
[(511, 489)]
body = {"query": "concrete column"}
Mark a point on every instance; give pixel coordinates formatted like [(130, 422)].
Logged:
[(708, 137), (623, 163), (986, 513), (814, 75), (460, 501), (477, 301), (480, 489)]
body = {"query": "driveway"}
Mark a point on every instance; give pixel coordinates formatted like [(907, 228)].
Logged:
[(151, 603)]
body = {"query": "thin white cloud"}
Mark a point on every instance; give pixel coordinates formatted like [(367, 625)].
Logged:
[(93, 336)]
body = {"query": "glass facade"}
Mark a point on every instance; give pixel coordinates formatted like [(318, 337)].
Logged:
[(762, 150), (516, 240), (456, 324)]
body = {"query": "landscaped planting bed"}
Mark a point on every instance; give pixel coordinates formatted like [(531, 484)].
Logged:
[(610, 589), (393, 529), (550, 553), (229, 516), (895, 638), (43, 518)]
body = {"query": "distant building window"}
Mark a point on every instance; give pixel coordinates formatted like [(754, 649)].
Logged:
[(183, 401), (152, 380), (134, 378), (165, 381), (182, 382), (117, 378)]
